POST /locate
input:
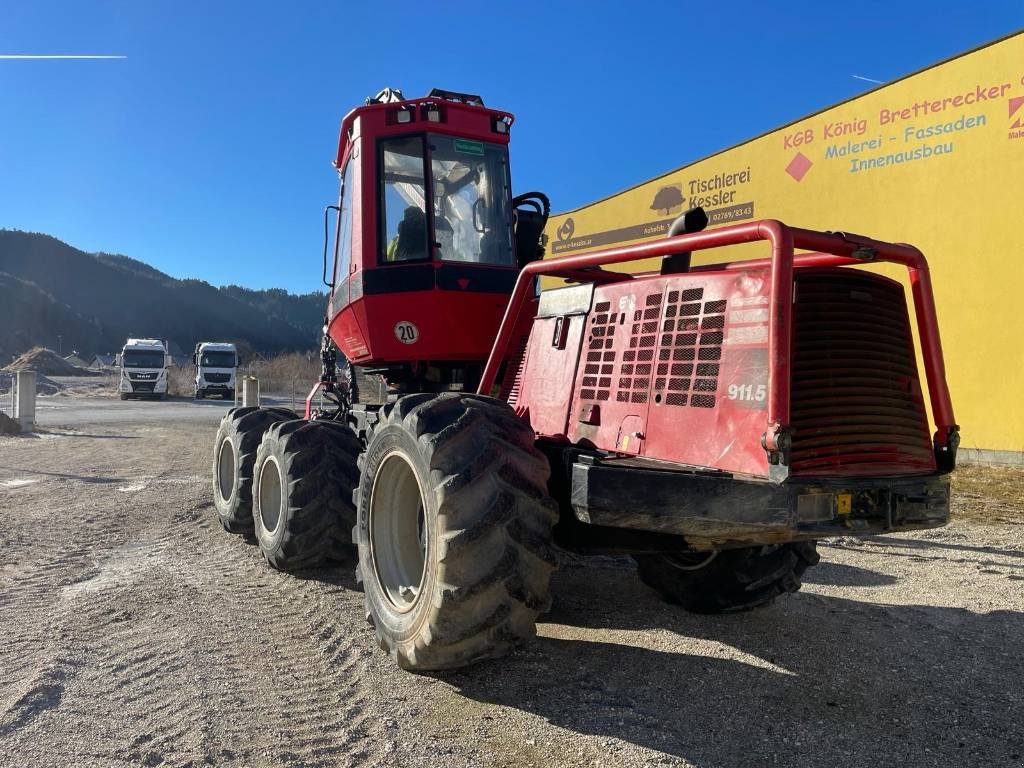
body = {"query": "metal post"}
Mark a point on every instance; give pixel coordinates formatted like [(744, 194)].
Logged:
[(250, 391), (25, 400)]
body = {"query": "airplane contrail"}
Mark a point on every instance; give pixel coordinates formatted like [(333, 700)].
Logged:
[(869, 79), (58, 56)]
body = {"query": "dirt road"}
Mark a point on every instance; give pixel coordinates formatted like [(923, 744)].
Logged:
[(134, 631)]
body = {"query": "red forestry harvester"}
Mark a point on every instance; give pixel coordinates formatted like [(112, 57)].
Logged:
[(711, 421)]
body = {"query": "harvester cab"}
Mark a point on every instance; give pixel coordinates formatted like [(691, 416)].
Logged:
[(712, 420), (428, 238)]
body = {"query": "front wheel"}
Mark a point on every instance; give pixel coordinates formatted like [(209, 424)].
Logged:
[(728, 581), (454, 530)]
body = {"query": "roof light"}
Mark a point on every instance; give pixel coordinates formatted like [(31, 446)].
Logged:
[(433, 114), (404, 116), (500, 125)]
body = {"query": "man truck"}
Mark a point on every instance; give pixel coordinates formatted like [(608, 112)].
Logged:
[(143, 366), (216, 369)]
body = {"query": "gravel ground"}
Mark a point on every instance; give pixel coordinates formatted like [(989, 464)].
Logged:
[(134, 631)]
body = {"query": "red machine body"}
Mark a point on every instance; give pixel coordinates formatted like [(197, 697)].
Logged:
[(791, 366), (796, 365)]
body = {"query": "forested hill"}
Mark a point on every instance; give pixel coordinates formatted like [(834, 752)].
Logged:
[(95, 301)]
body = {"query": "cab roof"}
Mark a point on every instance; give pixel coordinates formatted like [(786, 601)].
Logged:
[(444, 111)]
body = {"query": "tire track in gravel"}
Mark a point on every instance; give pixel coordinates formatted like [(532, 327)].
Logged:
[(164, 638), (267, 627), (31, 583)]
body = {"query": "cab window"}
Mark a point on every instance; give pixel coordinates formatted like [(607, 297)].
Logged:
[(471, 201), (344, 252), (404, 234)]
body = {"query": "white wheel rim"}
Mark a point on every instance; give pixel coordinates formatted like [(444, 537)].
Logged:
[(398, 540), (226, 470), (269, 496)]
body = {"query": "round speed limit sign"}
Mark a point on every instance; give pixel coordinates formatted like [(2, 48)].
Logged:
[(407, 332)]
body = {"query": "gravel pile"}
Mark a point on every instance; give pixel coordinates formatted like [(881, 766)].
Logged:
[(46, 361)]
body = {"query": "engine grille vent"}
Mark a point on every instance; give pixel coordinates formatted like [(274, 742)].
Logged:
[(856, 402), (692, 331), (637, 369), (597, 369), (512, 382)]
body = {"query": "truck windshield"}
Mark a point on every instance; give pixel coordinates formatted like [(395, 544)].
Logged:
[(137, 358), (469, 200), (217, 360)]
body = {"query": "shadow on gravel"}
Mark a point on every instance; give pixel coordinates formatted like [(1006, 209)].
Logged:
[(893, 542), (65, 476), (341, 575), (811, 680), (842, 575), (83, 434)]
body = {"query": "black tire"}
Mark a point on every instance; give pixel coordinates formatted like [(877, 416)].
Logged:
[(200, 394), (124, 396), (314, 465), (240, 430), (229, 394), (483, 527), (728, 581)]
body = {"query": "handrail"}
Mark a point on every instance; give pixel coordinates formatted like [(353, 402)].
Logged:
[(834, 249)]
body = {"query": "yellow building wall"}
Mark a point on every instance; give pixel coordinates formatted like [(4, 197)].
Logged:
[(935, 159)]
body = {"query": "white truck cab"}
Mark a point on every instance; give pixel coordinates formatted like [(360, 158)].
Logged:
[(216, 368), (143, 364)]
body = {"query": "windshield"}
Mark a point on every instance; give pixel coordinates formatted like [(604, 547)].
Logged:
[(470, 200), (217, 360), (143, 359)]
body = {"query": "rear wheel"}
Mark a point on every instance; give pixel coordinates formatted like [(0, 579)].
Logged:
[(305, 476), (234, 455), (454, 530), (730, 580)]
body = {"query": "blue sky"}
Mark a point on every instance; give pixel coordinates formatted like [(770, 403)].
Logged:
[(206, 152)]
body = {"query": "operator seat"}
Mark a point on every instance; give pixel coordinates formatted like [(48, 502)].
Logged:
[(412, 235)]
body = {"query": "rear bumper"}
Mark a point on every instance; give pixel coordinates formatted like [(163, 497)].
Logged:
[(716, 510)]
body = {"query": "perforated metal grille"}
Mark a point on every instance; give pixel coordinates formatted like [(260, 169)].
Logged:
[(637, 371), (512, 382), (600, 356), (692, 331)]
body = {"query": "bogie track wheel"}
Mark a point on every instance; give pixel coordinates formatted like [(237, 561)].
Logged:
[(304, 480), (234, 454)]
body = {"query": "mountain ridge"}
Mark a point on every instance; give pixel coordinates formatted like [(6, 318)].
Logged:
[(94, 301)]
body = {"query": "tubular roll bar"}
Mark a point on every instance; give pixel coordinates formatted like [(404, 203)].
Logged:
[(833, 249)]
